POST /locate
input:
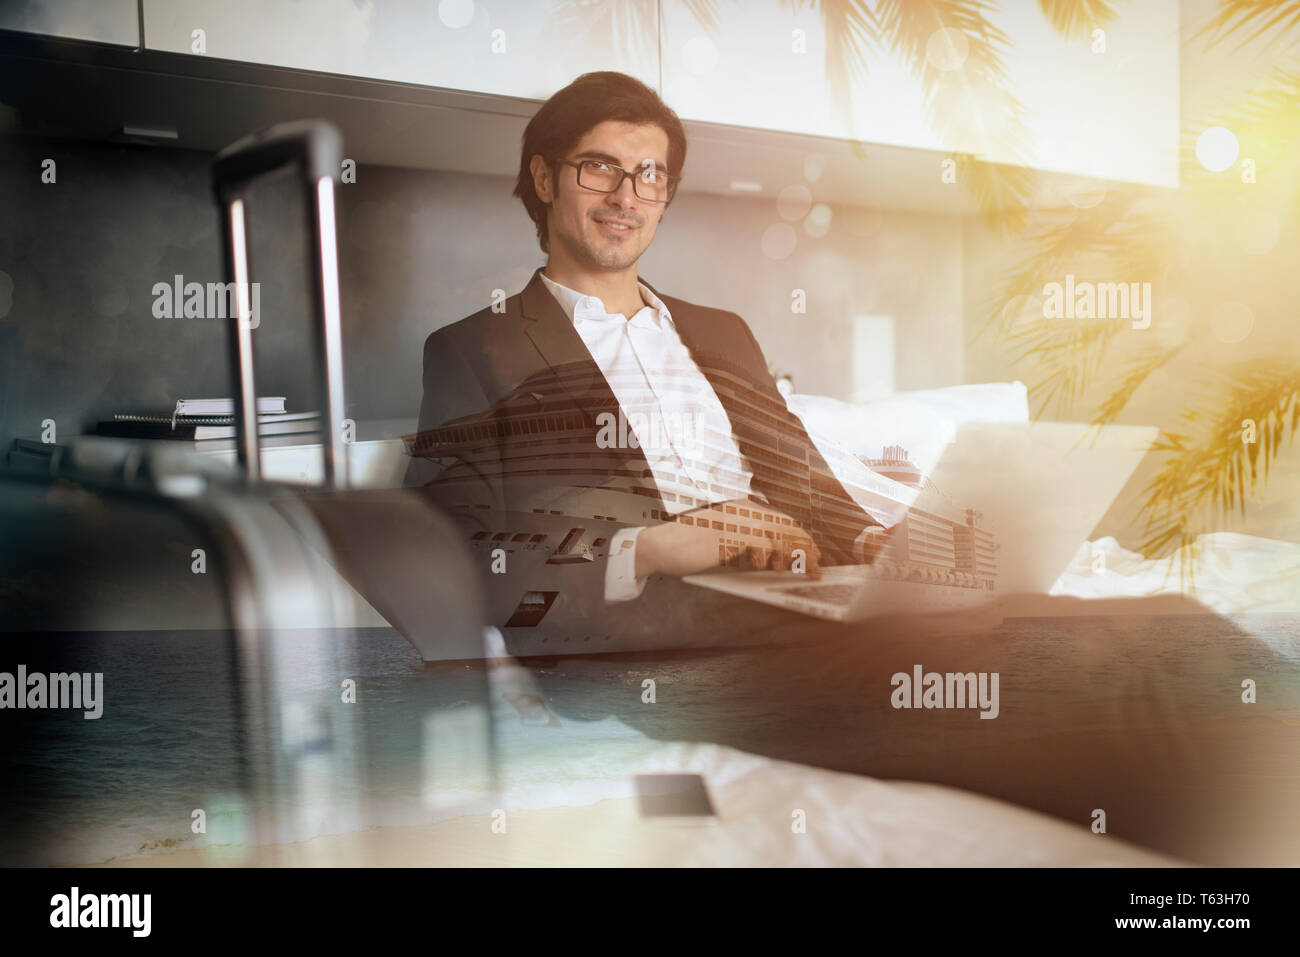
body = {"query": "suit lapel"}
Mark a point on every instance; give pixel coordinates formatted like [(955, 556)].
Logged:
[(562, 349)]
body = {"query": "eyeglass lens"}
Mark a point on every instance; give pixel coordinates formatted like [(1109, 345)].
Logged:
[(649, 183)]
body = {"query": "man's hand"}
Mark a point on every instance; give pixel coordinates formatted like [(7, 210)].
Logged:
[(677, 549)]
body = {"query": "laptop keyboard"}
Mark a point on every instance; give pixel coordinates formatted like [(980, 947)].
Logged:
[(833, 593)]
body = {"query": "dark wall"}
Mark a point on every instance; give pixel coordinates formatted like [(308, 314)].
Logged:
[(418, 249), (79, 259)]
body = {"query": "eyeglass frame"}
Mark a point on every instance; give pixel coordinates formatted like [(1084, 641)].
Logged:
[(673, 181)]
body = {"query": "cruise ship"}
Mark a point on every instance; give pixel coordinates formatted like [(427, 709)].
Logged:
[(544, 479)]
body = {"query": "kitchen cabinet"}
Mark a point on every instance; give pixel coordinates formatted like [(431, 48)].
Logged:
[(108, 21), (521, 48)]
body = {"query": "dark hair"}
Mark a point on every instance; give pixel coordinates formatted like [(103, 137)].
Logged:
[(578, 108)]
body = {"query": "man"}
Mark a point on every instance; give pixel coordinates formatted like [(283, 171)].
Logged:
[(709, 431), (1105, 720)]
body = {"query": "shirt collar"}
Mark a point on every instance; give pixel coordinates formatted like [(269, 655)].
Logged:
[(583, 308)]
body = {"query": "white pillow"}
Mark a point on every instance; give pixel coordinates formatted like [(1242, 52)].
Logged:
[(922, 422)]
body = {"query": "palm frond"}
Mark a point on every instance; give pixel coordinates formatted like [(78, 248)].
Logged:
[(1066, 354), (1264, 15), (977, 93), (1002, 191), (1076, 19), (1267, 124), (705, 13), (851, 33), (1127, 231), (1139, 369), (1205, 476), (1275, 102)]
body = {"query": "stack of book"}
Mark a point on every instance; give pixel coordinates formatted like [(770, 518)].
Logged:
[(209, 424)]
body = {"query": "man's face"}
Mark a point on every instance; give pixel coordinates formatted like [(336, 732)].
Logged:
[(576, 214)]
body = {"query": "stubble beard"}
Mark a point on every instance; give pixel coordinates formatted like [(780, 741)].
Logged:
[(606, 255), (595, 251)]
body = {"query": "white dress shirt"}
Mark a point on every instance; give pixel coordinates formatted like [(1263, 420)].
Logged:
[(670, 407)]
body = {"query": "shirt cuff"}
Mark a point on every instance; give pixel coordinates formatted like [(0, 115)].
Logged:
[(621, 583)]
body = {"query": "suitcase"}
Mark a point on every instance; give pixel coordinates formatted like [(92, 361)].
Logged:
[(111, 538)]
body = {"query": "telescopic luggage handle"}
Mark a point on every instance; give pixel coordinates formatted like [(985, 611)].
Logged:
[(315, 147)]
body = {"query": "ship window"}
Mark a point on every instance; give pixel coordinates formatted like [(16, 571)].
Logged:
[(520, 537), (744, 512), (744, 529), (785, 521), (570, 540), (536, 539), (718, 526), (500, 536), (479, 536), (731, 510), (686, 520), (669, 496), (598, 542), (731, 528)]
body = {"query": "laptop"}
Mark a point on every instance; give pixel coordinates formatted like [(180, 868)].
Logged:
[(1002, 514)]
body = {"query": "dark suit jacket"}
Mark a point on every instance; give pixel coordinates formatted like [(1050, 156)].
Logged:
[(486, 360)]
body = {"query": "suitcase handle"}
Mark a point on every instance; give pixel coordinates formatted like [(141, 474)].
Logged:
[(315, 148), (315, 145)]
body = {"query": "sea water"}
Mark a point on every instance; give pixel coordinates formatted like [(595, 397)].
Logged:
[(171, 740)]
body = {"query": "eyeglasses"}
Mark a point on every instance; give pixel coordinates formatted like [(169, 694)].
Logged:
[(649, 183)]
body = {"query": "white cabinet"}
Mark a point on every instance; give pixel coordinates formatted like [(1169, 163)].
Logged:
[(1104, 107), (521, 48), (108, 21)]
